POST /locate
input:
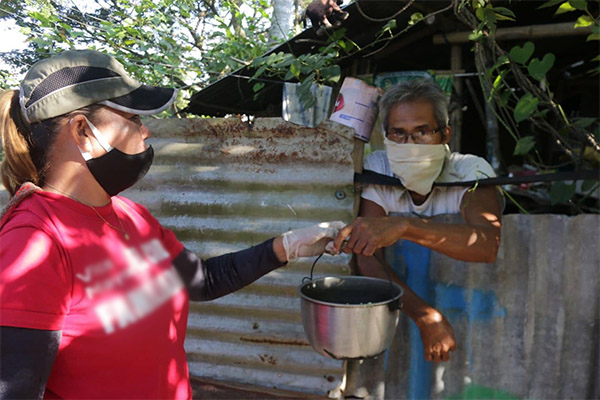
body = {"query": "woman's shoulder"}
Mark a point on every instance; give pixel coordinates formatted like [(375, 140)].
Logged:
[(28, 211)]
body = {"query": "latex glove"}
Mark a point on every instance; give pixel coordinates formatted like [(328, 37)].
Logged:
[(310, 241)]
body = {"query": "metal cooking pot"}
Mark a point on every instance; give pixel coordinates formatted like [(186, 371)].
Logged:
[(350, 317)]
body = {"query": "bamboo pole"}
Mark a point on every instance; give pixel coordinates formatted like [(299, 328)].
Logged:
[(456, 114), (519, 32)]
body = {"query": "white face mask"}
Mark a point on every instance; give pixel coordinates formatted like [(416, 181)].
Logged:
[(417, 165)]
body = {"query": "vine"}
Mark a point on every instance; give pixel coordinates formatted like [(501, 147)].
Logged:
[(514, 81)]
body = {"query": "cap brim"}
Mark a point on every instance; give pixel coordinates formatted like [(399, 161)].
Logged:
[(145, 100)]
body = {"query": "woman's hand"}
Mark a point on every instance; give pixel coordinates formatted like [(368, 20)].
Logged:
[(310, 241)]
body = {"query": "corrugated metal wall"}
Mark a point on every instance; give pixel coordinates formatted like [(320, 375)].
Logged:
[(222, 186), (526, 326)]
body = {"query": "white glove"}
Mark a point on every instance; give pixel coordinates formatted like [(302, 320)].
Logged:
[(311, 241)]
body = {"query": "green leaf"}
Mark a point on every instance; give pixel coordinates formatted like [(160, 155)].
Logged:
[(489, 18), (331, 74), (564, 8), (414, 18), (498, 85), (476, 35), (538, 69), (578, 4), (525, 107), (521, 54), (392, 24), (502, 60), (308, 81), (258, 86), (479, 13), (524, 145), (289, 76), (584, 122), (541, 114), (295, 69), (260, 71), (550, 3), (306, 69), (560, 192), (503, 13), (338, 34), (583, 21), (502, 100)]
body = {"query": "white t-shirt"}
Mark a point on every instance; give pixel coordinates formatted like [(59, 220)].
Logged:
[(442, 200)]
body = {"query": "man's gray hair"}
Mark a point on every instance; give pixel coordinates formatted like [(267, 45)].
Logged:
[(421, 89)]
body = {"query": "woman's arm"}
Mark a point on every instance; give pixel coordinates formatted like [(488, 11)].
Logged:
[(218, 276), (26, 358)]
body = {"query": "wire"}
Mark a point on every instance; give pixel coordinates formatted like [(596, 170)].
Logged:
[(382, 19)]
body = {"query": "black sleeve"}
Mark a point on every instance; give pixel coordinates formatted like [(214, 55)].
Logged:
[(218, 276), (26, 358)]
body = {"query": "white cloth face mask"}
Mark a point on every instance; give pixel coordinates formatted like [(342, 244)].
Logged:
[(417, 165)]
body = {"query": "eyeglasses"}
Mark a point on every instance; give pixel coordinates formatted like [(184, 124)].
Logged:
[(421, 135)]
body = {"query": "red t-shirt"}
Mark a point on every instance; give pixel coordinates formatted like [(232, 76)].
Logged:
[(119, 303)]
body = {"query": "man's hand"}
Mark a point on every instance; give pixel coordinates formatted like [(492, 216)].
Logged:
[(437, 335), (365, 235)]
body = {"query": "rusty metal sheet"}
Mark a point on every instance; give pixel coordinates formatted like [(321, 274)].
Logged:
[(222, 185)]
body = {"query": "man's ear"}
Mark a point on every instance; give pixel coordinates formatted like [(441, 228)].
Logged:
[(447, 131)]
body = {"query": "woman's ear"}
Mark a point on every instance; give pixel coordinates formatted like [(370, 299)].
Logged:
[(447, 131), (81, 134)]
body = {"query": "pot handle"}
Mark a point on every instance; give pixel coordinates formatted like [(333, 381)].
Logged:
[(306, 278), (395, 305)]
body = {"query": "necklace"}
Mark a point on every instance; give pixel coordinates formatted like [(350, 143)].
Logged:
[(125, 234)]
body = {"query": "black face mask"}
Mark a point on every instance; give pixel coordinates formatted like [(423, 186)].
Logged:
[(116, 171)]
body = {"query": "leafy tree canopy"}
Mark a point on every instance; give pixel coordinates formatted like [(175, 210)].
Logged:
[(176, 43)]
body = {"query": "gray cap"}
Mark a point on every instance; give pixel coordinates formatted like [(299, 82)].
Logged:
[(77, 78)]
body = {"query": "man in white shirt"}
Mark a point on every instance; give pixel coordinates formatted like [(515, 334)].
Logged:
[(415, 121)]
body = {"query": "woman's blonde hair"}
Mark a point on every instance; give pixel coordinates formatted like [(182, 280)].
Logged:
[(26, 146)]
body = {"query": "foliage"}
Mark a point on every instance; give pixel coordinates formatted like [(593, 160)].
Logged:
[(176, 43), (322, 68), (518, 89), (308, 69)]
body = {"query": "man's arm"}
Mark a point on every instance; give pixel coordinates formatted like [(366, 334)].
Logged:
[(476, 240), (436, 332)]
